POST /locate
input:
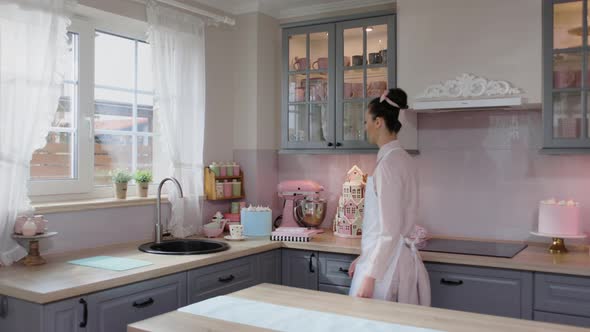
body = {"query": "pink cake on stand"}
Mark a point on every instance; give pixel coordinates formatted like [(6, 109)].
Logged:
[(559, 220), (348, 221)]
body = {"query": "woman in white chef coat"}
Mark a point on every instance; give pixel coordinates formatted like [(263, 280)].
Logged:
[(389, 267)]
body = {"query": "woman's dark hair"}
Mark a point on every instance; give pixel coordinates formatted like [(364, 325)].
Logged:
[(389, 113)]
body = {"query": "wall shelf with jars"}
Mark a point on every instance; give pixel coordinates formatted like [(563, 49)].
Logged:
[(331, 72), (566, 77)]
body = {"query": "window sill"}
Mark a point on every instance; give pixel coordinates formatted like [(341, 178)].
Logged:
[(92, 204)]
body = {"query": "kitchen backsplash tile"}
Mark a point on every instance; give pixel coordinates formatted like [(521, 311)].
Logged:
[(481, 174)]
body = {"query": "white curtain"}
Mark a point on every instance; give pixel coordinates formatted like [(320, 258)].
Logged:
[(177, 41), (33, 48)]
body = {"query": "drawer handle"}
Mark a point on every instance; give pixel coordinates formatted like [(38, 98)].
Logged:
[(451, 282), (343, 270), (226, 279), (144, 303), (84, 314), (311, 269)]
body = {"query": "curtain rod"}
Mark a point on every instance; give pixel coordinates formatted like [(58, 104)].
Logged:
[(217, 18)]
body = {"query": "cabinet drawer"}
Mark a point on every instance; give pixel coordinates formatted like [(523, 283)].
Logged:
[(482, 290), (550, 317), (562, 294), (334, 289), (222, 278), (112, 310), (334, 269)]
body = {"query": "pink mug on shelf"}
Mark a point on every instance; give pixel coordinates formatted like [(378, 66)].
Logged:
[(299, 63), (300, 94), (321, 63), (567, 79)]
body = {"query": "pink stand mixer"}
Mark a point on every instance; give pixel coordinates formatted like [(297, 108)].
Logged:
[(303, 206)]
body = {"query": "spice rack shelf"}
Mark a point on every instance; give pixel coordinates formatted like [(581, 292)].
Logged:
[(211, 179)]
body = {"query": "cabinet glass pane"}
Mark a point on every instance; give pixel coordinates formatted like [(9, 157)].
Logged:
[(298, 120), (353, 46), (567, 115), (567, 70), (318, 50), (298, 52), (353, 84), (318, 122), (318, 87), (376, 81), (297, 87), (376, 44), (354, 118), (567, 25)]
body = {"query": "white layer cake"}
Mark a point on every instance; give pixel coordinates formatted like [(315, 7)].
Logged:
[(559, 219)]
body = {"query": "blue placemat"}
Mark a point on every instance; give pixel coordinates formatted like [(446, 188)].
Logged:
[(110, 263)]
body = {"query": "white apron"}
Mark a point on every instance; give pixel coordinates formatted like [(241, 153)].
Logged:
[(387, 288)]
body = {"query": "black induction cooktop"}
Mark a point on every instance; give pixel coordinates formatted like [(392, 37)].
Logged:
[(464, 247)]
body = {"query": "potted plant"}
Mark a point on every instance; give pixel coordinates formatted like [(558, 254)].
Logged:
[(143, 179), (120, 179)]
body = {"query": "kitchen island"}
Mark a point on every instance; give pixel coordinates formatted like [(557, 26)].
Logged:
[(366, 309)]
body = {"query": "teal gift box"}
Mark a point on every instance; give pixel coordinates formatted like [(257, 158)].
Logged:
[(256, 223)]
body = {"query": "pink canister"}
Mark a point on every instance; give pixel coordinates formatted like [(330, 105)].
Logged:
[(227, 189), (18, 224), (223, 169)]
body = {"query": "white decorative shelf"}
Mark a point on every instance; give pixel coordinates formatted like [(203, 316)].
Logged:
[(470, 92)]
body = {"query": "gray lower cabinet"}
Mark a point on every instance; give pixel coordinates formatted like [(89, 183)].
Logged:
[(300, 268), (333, 276), (482, 290), (113, 309), (562, 299), (222, 278), (269, 267), (22, 316), (550, 317)]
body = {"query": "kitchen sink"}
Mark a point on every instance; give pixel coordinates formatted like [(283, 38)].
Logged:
[(184, 247)]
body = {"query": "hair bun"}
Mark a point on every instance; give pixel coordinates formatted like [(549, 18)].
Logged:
[(398, 96)]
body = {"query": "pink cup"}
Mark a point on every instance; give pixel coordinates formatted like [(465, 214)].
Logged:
[(300, 63), (321, 63)]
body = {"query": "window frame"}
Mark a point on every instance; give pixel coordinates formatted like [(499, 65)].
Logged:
[(86, 22)]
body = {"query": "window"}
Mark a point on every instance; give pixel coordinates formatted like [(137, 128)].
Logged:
[(123, 106), (57, 159), (105, 117)]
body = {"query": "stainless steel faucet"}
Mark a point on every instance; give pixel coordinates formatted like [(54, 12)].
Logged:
[(158, 201)]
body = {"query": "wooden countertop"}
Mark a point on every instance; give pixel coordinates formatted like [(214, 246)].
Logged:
[(390, 312), (58, 280)]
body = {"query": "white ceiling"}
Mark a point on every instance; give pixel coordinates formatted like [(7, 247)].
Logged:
[(289, 8)]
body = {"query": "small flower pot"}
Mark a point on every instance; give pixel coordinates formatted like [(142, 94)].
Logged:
[(142, 189), (121, 190)]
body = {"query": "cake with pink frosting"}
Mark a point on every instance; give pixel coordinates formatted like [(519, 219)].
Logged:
[(559, 217)]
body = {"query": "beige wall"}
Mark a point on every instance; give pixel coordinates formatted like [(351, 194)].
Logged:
[(500, 39)]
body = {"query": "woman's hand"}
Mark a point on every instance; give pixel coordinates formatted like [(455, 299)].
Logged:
[(352, 267), (367, 288)]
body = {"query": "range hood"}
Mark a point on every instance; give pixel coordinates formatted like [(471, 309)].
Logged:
[(469, 92)]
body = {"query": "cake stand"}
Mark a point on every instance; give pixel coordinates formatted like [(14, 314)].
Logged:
[(558, 245), (34, 258)]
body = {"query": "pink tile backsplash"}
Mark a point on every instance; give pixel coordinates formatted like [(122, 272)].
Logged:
[(481, 174)]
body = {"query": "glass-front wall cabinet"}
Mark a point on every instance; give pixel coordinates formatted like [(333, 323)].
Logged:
[(332, 72), (566, 82)]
